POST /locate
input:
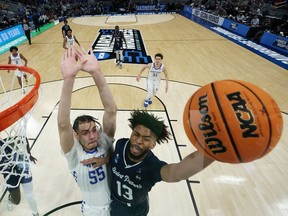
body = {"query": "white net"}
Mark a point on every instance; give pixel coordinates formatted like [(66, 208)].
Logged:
[(14, 154)]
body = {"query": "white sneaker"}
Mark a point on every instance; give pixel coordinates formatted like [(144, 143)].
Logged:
[(10, 205), (35, 214), (120, 65)]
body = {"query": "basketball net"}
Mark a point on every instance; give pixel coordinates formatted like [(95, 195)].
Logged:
[(17, 103)]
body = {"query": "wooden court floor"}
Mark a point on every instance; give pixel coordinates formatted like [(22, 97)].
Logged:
[(194, 56)]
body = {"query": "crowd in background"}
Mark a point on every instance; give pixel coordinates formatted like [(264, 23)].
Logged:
[(254, 13)]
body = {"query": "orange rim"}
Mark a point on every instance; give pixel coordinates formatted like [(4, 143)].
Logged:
[(12, 114)]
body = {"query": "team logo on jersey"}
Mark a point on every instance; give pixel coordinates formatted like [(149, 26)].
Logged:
[(116, 159), (134, 53), (138, 174)]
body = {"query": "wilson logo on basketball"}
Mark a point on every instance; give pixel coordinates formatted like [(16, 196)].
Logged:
[(232, 121), (215, 144), (244, 115)]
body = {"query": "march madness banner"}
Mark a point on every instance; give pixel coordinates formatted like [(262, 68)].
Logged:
[(134, 53)]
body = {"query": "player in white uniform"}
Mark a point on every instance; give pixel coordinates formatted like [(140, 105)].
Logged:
[(87, 138), (154, 77), (70, 40), (16, 59)]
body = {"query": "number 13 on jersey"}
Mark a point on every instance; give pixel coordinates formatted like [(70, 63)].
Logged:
[(124, 191)]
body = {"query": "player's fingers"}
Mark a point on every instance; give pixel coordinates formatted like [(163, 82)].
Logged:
[(89, 161)]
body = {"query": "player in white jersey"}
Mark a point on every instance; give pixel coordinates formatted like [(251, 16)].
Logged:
[(154, 77), (87, 138), (16, 59), (69, 40)]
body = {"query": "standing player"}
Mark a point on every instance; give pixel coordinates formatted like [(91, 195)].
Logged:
[(65, 28), (69, 40), (154, 78), (16, 59), (27, 30), (118, 45), (11, 170), (87, 138)]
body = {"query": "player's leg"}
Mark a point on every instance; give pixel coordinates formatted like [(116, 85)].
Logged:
[(117, 57), (149, 92), (25, 77), (27, 186), (120, 58), (14, 196), (156, 85)]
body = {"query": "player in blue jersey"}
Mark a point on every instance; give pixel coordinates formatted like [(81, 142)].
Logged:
[(135, 169), (87, 138), (119, 38), (11, 170)]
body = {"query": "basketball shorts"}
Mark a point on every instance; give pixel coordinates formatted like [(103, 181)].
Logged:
[(19, 73), (153, 86), (95, 210)]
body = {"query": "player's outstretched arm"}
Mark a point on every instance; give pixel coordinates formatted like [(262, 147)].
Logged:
[(189, 166), (24, 59), (166, 78), (138, 77), (69, 70), (90, 64)]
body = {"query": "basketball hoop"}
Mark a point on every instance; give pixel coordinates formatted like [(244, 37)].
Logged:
[(16, 107)]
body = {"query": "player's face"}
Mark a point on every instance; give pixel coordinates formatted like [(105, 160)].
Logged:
[(69, 33), (88, 135), (142, 140), (14, 51), (158, 60)]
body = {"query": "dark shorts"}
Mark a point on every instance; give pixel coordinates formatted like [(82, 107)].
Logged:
[(15, 180), (121, 209)]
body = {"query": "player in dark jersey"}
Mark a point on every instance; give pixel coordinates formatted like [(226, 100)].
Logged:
[(135, 169), (65, 28), (11, 171), (118, 36)]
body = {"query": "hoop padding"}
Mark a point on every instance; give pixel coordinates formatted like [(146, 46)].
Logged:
[(18, 110)]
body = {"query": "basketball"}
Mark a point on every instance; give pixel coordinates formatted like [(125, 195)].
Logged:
[(232, 121)]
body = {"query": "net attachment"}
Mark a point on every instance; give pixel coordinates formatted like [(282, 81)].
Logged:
[(16, 106)]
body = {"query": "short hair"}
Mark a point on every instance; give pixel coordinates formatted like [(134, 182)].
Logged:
[(159, 55), (154, 123), (13, 48), (65, 21), (69, 29), (85, 119)]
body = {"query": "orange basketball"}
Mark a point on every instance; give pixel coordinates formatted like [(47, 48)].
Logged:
[(232, 121)]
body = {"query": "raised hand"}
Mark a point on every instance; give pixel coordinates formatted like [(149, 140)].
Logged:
[(69, 65), (89, 62)]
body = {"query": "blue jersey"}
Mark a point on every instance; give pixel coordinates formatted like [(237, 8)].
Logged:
[(131, 182)]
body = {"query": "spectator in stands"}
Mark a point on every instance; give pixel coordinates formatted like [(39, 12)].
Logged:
[(5, 20), (255, 21)]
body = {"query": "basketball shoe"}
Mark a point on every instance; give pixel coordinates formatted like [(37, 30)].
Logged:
[(9, 203), (146, 103)]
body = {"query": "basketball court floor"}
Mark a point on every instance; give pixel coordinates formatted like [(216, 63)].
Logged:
[(194, 56)]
